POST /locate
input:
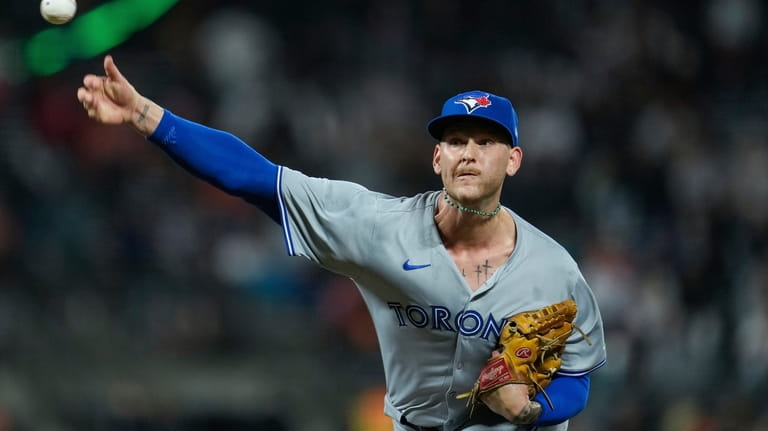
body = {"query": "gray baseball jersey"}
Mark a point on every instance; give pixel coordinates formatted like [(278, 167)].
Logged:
[(434, 332)]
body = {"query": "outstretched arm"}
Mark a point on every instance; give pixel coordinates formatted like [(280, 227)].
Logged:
[(215, 156)]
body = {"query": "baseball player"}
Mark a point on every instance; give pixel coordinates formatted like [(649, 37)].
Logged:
[(439, 271)]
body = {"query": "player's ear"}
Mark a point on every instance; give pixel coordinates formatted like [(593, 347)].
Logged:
[(436, 160), (514, 161)]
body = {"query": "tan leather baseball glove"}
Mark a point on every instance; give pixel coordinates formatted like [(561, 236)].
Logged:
[(530, 346)]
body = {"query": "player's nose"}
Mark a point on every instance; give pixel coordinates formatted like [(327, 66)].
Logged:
[(470, 150)]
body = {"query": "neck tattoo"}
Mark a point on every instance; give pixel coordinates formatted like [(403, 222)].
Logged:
[(470, 210)]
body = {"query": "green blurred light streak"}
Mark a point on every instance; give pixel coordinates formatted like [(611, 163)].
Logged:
[(90, 34)]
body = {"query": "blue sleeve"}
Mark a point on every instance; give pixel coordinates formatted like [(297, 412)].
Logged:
[(221, 159), (569, 396)]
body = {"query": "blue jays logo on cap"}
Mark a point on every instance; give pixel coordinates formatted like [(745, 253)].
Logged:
[(472, 102), (478, 105)]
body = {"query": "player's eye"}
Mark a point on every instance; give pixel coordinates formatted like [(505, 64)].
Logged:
[(454, 142), (486, 141)]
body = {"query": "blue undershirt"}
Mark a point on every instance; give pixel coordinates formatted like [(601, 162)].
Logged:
[(228, 163), (221, 159), (569, 396)]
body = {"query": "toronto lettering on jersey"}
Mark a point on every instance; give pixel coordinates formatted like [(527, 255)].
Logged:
[(469, 323)]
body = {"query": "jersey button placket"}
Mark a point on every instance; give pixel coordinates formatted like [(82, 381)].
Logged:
[(455, 405)]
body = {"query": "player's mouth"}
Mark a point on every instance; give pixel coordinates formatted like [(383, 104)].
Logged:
[(467, 174)]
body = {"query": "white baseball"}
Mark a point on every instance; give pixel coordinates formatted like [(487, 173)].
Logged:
[(58, 11)]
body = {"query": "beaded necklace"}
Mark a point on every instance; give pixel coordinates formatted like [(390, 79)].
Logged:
[(470, 210)]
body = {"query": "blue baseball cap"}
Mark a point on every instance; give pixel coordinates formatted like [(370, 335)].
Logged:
[(476, 104)]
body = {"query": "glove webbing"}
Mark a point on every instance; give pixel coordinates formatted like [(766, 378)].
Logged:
[(539, 321)]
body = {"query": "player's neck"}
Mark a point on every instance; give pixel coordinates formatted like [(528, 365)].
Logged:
[(463, 230)]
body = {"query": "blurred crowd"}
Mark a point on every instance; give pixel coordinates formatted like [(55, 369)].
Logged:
[(134, 296)]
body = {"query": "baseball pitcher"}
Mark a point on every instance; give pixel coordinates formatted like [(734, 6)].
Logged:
[(484, 321)]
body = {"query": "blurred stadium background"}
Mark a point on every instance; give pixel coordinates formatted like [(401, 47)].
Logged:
[(135, 297)]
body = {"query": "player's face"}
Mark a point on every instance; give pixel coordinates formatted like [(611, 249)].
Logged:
[(473, 159)]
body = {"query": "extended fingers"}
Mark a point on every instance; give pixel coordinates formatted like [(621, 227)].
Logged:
[(84, 96), (93, 82), (87, 102), (111, 69), (104, 96)]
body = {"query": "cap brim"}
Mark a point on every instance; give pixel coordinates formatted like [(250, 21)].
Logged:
[(437, 126)]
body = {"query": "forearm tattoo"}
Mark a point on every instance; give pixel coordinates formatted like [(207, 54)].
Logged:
[(529, 414), (143, 114)]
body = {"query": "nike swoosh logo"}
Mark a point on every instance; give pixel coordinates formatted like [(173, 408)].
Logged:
[(408, 267)]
